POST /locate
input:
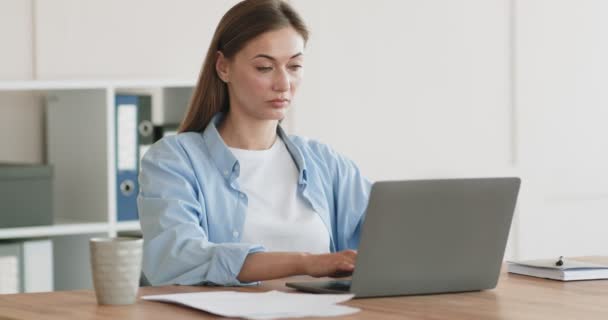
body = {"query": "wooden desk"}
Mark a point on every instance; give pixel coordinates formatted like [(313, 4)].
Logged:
[(515, 297)]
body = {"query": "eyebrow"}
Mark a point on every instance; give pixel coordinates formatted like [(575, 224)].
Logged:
[(274, 59)]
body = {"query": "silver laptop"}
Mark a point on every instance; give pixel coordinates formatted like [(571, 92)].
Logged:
[(429, 236)]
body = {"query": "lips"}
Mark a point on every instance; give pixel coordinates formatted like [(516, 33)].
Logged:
[(279, 103), (279, 100)]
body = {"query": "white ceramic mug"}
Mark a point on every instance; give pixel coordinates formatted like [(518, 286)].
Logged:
[(116, 266)]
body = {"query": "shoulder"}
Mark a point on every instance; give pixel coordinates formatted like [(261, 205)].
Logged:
[(323, 154), (176, 153), (312, 147), (179, 145), (320, 155), (170, 162)]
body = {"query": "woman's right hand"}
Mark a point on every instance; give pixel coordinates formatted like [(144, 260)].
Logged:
[(338, 264)]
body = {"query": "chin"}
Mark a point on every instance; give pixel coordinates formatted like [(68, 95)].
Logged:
[(265, 113), (276, 114)]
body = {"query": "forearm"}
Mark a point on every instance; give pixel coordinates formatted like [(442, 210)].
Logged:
[(272, 265)]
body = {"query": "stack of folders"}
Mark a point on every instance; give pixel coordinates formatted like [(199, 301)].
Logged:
[(569, 270), (134, 135)]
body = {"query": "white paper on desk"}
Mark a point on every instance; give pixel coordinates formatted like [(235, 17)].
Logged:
[(262, 305)]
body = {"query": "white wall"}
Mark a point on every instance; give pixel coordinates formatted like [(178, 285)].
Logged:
[(16, 40), (124, 39), (418, 88), (409, 88), (21, 120), (562, 102)]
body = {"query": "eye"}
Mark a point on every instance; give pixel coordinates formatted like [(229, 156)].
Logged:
[(264, 69), (295, 67)]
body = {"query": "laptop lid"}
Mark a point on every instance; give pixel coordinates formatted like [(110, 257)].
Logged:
[(434, 236)]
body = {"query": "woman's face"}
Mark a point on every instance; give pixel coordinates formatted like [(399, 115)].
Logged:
[(263, 76)]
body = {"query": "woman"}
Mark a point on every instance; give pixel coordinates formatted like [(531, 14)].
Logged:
[(232, 199)]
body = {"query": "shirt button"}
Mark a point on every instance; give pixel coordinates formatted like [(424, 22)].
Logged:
[(226, 172), (242, 195), (235, 234)]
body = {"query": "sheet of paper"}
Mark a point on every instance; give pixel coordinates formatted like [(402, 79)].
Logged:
[(262, 305)]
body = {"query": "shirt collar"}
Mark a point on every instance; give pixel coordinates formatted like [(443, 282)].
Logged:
[(296, 154), (227, 163)]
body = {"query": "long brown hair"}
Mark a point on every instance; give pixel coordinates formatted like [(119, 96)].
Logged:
[(243, 22)]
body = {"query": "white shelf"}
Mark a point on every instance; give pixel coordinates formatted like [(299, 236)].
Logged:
[(80, 135), (41, 85), (60, 229), (128, 226), (70, 102)]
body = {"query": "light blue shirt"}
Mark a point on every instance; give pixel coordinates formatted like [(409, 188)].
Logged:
[(192, 211)]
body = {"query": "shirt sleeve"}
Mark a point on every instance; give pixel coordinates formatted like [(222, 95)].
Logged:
[(177, 249), (351, 196)]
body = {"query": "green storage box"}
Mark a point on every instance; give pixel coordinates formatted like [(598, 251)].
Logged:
[(25, 195)]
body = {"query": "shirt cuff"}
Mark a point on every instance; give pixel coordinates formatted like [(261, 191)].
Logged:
[(228, 262)]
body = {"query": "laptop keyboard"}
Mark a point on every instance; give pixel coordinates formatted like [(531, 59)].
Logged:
[(339, 285)]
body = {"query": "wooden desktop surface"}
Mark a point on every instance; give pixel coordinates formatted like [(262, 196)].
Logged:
[(515, 297)]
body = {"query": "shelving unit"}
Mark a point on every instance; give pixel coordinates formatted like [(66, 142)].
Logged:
[(80, 145), (51, 85), (59, 229)]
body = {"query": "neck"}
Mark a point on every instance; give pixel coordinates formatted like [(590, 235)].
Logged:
[(241, 132)]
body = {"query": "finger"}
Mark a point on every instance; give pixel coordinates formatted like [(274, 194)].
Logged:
[(350, 259), (349, 253), (347, 266)]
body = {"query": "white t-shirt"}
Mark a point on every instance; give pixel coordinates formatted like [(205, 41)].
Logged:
[(277, 216)]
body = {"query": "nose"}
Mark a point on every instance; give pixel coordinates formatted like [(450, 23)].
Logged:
[(281, 82)]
